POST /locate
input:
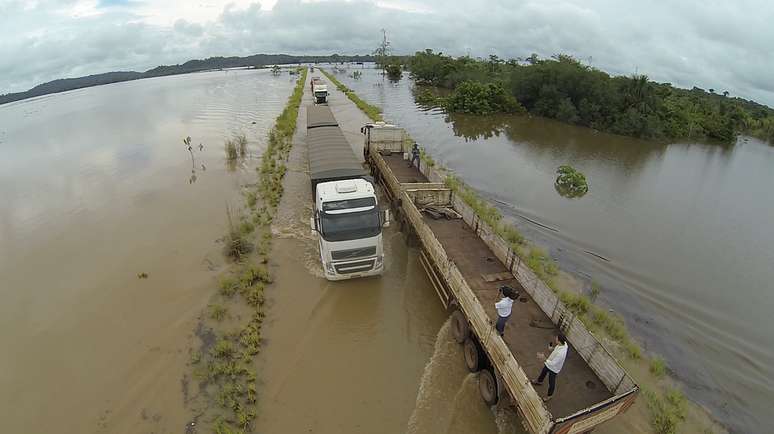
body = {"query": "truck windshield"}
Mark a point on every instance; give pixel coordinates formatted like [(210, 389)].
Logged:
[(350, 226)]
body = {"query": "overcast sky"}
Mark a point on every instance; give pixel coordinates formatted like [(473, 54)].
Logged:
[(725, 45)]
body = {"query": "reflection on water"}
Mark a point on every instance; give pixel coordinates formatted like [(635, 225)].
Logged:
[(96, 190), (684, 228)]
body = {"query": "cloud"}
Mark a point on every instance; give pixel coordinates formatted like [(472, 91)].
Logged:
[(725, 46)]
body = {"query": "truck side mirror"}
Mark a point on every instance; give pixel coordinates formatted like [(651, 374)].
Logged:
[(313, 224), (386, 218)]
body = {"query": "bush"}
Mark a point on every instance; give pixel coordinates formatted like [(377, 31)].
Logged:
[(394, 71), (481, 99), (570, 182)]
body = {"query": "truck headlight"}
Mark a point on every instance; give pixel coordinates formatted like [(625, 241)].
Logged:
[(329, 268), (379, 261)]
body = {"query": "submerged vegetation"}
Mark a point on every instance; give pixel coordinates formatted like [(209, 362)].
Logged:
[(224, 364), (565, 89), (372, 111), (236, 147), (394, 71)]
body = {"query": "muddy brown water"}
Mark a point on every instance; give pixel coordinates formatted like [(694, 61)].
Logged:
[(678, 234), (96, 187)]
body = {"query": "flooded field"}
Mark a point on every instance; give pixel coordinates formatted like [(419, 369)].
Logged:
[(98, 191), (676, 234)]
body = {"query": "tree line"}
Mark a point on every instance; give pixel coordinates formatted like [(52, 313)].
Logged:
[(256, 60), (565, 89)]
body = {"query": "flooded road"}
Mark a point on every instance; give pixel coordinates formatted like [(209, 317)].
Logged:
[(362, 356), (96, 189), (678, 235)]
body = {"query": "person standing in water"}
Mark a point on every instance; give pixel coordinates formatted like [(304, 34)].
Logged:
[(504, 307), (553, 364)]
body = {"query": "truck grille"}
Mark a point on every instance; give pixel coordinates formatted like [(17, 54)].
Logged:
[(354, 267), (353, 253)]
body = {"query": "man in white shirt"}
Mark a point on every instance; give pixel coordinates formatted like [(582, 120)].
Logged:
[(504, 307), (553, 364)]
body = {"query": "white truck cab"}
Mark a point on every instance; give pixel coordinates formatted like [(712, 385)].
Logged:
[(349, 223), (319, 90)]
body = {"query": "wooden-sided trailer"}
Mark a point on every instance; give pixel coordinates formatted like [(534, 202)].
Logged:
[(467, 262)]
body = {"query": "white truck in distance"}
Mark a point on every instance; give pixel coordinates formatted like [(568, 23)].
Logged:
[(346, 210), (319, 90)]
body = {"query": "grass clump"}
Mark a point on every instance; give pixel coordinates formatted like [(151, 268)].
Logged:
[(236, 147), (236, 243), (254, 295), (240, 142), (372, 111), (253, 274), (426, 158), (228, 286), (223, 349), (218, 312), (230, 147), (667, 411), (251, 197), (657, 367)]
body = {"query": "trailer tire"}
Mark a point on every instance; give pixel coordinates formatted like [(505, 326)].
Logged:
[(487, 386), (475, 359), (460, 326)]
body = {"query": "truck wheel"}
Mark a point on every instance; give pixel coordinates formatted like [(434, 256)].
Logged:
[(487, 386), (475, 359), (460, 326)]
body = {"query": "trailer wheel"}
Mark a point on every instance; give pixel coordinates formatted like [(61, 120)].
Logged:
[(475, 359), (460, 327), (487, 386)]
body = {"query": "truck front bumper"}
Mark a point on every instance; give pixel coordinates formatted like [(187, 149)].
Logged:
[(353, 269)]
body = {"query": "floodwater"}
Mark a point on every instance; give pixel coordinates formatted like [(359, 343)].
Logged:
[(363, 356), (96, 187), (678, 235)]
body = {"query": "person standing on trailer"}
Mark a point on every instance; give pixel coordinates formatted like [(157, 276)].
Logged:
[(553, 364), (504, 307), (415, 155)]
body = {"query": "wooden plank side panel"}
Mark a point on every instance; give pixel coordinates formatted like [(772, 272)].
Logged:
[(428, 194), (386, 172)]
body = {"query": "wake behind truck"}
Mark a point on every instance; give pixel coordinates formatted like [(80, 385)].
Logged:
[(346, 210), (319, 90)]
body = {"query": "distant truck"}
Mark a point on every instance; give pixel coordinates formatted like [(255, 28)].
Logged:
[(346, 210), (319, 90)]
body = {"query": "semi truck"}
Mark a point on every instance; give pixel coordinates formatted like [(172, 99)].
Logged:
[(346, 215), (319, 90)]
